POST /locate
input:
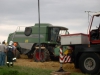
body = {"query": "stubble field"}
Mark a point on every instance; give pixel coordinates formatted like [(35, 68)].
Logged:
[(46, 65)]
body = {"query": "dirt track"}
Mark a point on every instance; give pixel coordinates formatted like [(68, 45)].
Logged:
[(46, 65)]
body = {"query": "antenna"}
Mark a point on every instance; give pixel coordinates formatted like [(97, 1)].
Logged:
[(88, 15), (88, 19)]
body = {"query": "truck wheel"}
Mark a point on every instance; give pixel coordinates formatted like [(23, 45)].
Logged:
[(44, 55), (89, 63)]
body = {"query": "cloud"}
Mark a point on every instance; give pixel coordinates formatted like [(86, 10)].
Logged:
[(5, 30), (67, 13)]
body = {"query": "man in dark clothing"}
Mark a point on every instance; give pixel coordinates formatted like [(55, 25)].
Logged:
[(10, 54), (2, 53)]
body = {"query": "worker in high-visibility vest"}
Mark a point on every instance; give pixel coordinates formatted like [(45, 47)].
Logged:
[(10, 54)]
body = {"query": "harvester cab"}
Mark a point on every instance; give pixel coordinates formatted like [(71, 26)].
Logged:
[(94, 30), (55, 33)]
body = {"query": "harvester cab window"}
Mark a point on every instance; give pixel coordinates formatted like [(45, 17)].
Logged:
[(54, 34), (63, 32)]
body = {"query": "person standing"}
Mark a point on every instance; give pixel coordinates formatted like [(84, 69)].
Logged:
[(2, 53), (10, 54), (14, 45)]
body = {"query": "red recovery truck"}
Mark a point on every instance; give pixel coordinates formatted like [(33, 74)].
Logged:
[(85, 48)]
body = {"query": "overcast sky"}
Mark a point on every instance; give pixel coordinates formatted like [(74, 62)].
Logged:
[(67, 13)]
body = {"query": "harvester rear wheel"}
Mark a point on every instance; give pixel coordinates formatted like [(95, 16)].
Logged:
[(41, 56)]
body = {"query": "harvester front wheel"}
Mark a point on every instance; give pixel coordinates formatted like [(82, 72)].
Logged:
[(17, 54), (41, 56)]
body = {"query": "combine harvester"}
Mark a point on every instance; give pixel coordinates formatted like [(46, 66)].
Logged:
[(28, 41), (83, 49)]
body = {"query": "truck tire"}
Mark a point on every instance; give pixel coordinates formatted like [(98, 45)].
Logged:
[(44, 55), (89, 63)]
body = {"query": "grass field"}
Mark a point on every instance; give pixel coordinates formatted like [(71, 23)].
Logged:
[(18, 70)]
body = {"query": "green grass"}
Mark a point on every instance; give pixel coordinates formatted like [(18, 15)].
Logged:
[(18, 70)]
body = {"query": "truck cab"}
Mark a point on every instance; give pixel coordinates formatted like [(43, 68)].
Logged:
[(94, 30)]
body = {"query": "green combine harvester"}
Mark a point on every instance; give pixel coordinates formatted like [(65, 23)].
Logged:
[(28, 41)]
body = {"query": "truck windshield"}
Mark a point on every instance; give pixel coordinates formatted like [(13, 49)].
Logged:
[(96, 23), (95, 29)]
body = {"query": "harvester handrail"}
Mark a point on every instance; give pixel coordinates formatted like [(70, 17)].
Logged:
[(17, 31), (19, 28)]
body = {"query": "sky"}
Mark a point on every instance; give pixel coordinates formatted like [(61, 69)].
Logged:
[(67, 13)]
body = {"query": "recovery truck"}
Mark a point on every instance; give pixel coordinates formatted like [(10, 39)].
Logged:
[(28, 41), (85, 47)]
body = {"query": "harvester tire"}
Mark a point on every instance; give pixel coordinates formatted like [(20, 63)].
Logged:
[(45, 56), (17, 54), (89, 63)]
